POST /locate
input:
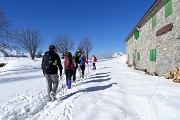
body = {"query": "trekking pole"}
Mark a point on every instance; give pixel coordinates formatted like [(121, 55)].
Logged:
[(88, 68), (62, 84)]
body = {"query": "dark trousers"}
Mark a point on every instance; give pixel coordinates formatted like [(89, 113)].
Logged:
[(68, 74), (74, 72), (94, 65), (82, 69)]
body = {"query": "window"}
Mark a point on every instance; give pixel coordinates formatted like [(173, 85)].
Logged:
[(138, 56), (154, 21), (168, 8), (136, 35), (153, 55)]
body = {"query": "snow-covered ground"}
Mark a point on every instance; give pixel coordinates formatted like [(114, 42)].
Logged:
[(112, 92)]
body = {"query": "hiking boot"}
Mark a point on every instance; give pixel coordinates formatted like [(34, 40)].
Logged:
[(74, 80), (69, 84), (48, 98), (52, 96)]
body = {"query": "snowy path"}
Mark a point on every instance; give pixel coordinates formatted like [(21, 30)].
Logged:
[(112, 92)]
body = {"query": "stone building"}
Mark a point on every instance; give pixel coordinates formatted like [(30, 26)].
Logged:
[(154, 43)]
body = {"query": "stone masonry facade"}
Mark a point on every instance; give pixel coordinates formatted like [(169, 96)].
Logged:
[(167, 45)]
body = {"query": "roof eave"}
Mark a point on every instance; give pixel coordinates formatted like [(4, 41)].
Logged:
[(144, 18)]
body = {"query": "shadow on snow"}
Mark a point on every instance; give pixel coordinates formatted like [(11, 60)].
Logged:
[(86, 90)]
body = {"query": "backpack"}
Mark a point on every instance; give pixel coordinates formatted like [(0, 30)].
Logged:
[(95, 59), (77, 56), (48, 62), (68, 64), (82, 60)]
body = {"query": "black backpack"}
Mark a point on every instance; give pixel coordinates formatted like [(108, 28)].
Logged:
[(47, 62), (78, 55)]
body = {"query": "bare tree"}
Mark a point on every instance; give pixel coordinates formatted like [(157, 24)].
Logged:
[(39, 53), (30, 40), (63, 43), (5, 35), (86, 45)]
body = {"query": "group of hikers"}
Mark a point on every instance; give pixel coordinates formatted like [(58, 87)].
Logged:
[(51, 62)]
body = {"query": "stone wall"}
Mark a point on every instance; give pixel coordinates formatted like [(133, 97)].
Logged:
[(167, 45)]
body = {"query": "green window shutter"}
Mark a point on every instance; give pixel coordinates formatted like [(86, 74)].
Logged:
[(136, 35), (154, 55), (150, 55), (138, 56), (128, 57), (154, 21), (168, 8)]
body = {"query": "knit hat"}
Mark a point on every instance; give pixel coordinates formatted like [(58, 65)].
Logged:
[(52, 47)]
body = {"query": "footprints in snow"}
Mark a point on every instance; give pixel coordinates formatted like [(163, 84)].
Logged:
[(22, 106), (100, 104), (68, 111), (33, 105)]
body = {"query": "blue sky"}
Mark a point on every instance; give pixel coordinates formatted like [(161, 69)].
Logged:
[(106, 22)]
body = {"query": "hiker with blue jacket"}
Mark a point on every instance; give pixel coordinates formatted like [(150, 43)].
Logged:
[(51, 62), (82, 64)]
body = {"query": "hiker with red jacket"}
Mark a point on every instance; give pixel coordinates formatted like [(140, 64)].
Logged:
[(94, 60), (82, 64), (69, 64)]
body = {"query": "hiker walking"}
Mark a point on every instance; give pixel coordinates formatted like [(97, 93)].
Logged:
[(76, 57), (51, 62), (69, 64), (94, 60), (82, 64)]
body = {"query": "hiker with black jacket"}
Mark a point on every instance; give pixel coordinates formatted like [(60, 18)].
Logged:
[(76, 57), (51, 62)]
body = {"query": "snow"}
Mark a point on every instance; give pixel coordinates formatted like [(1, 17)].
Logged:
[(13, 53), (112, 92)]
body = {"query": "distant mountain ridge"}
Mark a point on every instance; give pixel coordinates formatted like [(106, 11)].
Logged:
[(12, 53), (117, 55)]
